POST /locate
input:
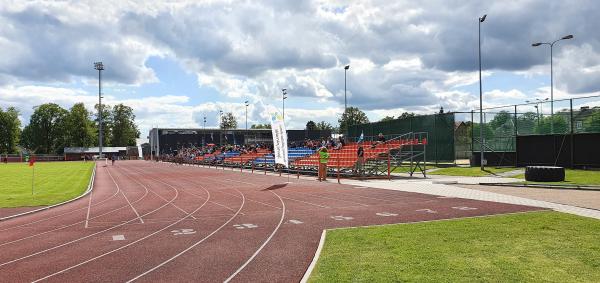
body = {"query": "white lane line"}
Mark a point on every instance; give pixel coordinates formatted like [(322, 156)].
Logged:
[(135, 211), (319, 196), (263, 244), (213, 202), (125, 246), (318, 205), (71, 225), (265, 204), (194, 245), (87, 217), (85, 237), (313, 263), (177, 207)]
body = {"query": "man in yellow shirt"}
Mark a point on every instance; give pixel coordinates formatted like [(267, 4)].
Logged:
[(323, 158)]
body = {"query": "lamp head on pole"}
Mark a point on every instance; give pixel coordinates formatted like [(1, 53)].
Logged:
[(98, 66), (246, 103), (482, 19), (284, 92), (346, 67), (536, 44), (567, 36)]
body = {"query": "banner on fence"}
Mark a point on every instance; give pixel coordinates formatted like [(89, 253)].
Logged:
[(280, 148)]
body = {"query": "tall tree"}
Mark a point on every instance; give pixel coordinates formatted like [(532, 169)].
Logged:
[(81, 129), (352, 116), (107, 124), (124, 131), (592, 122), (46, 132), (228, 121), (547, 124), (260, 126), (311, 125), (406, 115), (526, 123), (387, 118), (10, 130), (324, 126), (501, 119)]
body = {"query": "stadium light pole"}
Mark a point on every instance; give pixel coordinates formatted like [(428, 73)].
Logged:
[(100, 67), (345, 99), (204, 131), (551, 44), (246, 104), (220, 123), (283, 97), (481, 20)]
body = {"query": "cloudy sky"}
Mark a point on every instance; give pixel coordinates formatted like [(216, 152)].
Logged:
[(177, 62)]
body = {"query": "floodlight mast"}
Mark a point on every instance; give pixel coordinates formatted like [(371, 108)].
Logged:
[(481, 98), (100, 67), (283, 97)]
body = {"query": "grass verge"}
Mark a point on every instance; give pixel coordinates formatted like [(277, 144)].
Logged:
[(529, 247), (572, 177), (55, 182), (470, 171)]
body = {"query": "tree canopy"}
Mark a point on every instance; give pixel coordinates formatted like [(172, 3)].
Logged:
[(352, 116), (228, 121), (311, 125), (10, 130)]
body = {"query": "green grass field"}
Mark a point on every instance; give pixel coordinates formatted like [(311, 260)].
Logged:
[(54, 182), (573, 177), (469, 171), (528, 247)]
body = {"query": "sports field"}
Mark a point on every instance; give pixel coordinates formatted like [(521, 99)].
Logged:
[(526, 247), (150, 222), (54, 182)]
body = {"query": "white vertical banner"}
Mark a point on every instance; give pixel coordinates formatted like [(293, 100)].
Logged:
[(280, 147)]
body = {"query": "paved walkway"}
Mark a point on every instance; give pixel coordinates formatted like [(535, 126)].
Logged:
[(581, 198), (429, 186)]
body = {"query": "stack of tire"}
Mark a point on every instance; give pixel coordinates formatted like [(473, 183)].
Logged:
[(544, 173)]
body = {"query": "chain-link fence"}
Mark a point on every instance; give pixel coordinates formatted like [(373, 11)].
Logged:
[(501, 125)]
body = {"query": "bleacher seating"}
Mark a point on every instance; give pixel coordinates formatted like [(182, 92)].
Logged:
[(293, 154)]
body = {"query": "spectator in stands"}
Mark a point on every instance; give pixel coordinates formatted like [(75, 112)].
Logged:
[(342, 142), (380, 140), (323, 158), (360, 153)]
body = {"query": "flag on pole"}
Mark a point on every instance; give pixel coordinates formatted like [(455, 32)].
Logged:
[(280, 148), (31, 161)]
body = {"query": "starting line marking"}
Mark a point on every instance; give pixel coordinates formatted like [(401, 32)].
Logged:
[(293, 221), (245, 226), (183, 232), (118, 237), (386, 214), (341, 218), (426, 210)]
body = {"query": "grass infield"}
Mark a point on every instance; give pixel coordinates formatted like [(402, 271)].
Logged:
[(470, 171), (527, 247), (55, 182), (573, 177)]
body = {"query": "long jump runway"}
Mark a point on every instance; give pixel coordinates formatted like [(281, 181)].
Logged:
[(153, 222)]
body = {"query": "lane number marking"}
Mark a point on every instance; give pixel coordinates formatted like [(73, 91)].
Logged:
[(118, 237), (464, 208), (183, 232), (245, 226)]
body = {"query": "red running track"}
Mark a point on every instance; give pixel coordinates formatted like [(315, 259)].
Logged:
[(159, 222)]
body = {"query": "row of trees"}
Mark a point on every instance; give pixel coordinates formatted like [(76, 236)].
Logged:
[(51, 128)]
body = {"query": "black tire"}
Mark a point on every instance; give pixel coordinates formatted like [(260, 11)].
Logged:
[(544, 173)]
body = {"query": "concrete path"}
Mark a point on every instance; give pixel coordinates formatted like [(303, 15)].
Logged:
[(429, 186)]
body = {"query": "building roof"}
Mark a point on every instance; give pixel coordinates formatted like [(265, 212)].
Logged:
[(95, 150)]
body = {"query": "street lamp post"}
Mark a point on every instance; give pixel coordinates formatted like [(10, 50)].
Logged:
[(551, 44), (100, 67), (221, 128), (283, 95), (481, 20), (246, 104)]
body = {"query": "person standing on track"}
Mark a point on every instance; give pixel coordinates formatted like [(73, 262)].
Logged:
[(360, 154), (323, 158)]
